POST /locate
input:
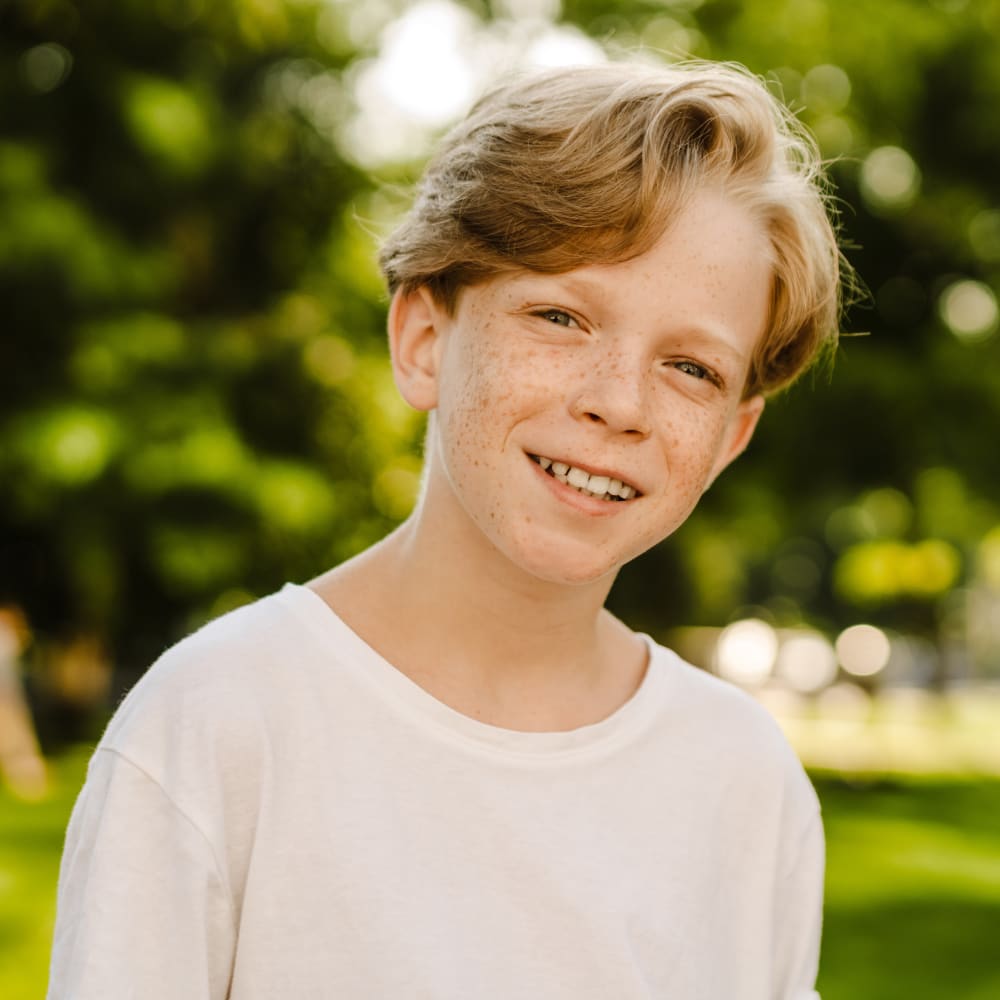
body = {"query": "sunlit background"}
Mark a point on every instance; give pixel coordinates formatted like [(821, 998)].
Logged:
[(195, 404)]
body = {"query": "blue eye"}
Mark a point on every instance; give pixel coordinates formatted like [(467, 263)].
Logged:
[(695, 370), (556, 316)]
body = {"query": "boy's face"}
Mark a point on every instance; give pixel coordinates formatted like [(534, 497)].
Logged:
[(630, 374)]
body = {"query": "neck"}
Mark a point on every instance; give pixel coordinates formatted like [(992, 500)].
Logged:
[(492, 613), (482, 635)]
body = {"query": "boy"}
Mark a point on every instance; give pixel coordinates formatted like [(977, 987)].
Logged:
[(442, 769)]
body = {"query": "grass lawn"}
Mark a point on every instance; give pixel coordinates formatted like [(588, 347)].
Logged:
[(913, 893), (31, 838), (913, 890)]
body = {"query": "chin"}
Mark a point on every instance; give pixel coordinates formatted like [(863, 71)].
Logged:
[(569, 564), (575, 576)]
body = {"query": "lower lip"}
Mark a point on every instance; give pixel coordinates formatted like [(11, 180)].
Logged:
[(582, 502)]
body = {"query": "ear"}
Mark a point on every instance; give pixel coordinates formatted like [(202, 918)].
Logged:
[(740, 431), (416, 323)]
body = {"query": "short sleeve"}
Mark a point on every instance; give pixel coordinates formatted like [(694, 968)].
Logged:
[(143, 910), (799, 918)]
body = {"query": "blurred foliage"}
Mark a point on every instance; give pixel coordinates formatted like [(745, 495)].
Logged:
[(194, 400), (197, 404)]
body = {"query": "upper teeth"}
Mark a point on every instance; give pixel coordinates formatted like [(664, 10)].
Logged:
[(598, 486)]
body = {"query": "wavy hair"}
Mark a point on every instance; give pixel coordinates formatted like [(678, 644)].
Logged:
[(589, 165)]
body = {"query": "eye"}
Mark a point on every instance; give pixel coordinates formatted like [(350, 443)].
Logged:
[(697, 371), (558, 317)]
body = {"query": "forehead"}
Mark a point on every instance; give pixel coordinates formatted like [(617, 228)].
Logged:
[(710, 267), (729, 225)]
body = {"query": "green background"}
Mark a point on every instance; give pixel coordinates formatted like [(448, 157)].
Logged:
[(195, 405)]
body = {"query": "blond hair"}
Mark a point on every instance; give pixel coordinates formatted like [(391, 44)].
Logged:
[(589, 165)]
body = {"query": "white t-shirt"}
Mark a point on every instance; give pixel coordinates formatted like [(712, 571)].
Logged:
[(277, 813)]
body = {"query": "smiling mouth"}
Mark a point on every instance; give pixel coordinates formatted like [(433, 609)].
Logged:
[(600, 487)]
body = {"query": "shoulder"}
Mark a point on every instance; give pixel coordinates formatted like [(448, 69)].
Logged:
[(705, 698), (731, 737), (206, 692), (249, 635)]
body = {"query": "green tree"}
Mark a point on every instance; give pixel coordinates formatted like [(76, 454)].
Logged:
[(195, 404)]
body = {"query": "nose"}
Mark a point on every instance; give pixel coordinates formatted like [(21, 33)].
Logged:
[(613, 393)]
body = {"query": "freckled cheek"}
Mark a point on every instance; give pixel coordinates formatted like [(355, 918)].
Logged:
[(692, 444), (502, 391), (544, 382), (472, 425), (490, 385)]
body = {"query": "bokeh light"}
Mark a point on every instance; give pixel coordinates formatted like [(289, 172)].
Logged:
[(969, 309), (45, 67), (863, 650), (523, 10), (890, 179), (423, 68), (746, 652), (886, 570), (845, 700), (806, 661), (564, 47), (826, 88), (329, 359), (435, 60), (171, 123), (76, 443)]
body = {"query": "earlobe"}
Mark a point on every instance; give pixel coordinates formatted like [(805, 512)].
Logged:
[(740, 432), (415, 325)]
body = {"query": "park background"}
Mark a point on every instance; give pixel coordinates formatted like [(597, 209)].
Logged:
[(195, 404)]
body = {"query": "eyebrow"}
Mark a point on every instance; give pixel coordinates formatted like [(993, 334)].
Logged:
[(714, 340), (574, 282)]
